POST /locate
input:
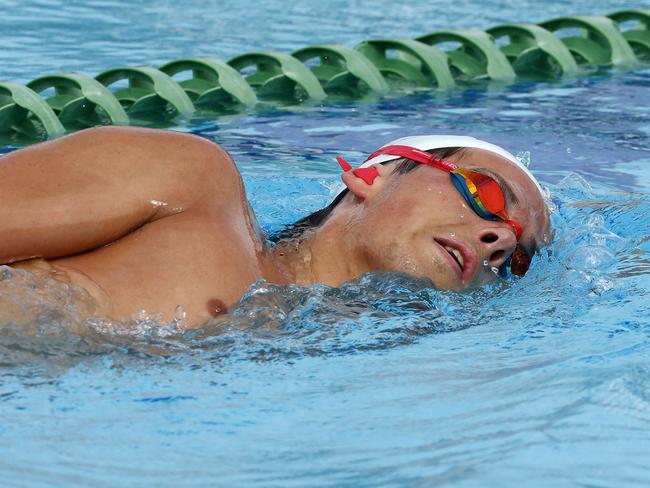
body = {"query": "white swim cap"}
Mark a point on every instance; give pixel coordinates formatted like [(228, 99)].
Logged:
[(427, 143)]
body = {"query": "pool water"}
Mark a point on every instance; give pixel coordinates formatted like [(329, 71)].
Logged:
[(540, 381)]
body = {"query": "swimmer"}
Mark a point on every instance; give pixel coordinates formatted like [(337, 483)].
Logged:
[(150, 219)]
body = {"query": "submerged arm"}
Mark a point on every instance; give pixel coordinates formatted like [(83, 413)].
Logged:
[(91, 188)]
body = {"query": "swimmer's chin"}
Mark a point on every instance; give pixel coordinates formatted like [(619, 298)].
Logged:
[(479, 281)]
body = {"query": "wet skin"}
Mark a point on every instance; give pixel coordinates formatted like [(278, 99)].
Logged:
[(148, 219), (404, 222)]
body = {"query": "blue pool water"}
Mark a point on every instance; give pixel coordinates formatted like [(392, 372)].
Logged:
[(543, 381)]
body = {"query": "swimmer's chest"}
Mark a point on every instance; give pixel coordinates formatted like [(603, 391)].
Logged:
[(203, 265)]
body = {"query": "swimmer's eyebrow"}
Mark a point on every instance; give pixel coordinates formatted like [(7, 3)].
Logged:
[(509, 193)]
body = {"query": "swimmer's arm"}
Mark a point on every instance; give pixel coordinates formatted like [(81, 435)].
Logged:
[(91, 188)]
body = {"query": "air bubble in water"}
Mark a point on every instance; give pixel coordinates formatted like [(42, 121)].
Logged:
[(596, 220), (603, 285)]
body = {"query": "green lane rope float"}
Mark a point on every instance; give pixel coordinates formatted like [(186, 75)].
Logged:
[(279, 76), (567, 46), (22, 111), (638, 37), (409, 60), (214, 83), (80, 101), (343, 70), (534, 52), (599, 43), (476, 58), (149, 90)]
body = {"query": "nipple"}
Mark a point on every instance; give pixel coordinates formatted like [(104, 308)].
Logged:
[(216, 307)]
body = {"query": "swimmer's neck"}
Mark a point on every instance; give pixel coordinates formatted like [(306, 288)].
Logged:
[(322, 256)]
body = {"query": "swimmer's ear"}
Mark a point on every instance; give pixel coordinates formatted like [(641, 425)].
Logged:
[(365, 182)]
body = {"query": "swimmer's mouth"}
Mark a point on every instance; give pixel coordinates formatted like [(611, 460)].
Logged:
[(462, 256), (455, 253)]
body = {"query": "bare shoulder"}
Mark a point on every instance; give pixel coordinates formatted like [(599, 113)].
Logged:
[(131, 136), (200, 170), (208, 169), (132, 147), (185, 150)]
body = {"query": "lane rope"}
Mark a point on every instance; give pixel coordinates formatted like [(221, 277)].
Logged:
[(52, 105)]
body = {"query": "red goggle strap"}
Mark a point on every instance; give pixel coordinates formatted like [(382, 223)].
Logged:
[(368, 174), (414, 154)]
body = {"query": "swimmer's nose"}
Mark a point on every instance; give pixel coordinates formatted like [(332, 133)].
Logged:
[(497, 243)]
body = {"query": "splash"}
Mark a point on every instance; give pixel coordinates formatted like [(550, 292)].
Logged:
[(524, 158)]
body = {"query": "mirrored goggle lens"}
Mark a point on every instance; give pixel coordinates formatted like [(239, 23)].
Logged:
[(485, 189), (462, 184)]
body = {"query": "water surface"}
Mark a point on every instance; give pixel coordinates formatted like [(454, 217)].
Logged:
[(384, 381)]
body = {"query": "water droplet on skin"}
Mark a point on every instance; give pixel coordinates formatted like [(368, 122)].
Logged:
[(6, 273), (485, 263), (180, 313), (495, 270), (452, 235)]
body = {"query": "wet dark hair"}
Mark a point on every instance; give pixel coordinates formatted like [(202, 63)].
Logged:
[(313, 220)]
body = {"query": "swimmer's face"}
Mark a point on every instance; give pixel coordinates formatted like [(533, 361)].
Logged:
[(419, 223)]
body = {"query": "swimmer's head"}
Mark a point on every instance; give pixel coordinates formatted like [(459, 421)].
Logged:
[(412, 218)]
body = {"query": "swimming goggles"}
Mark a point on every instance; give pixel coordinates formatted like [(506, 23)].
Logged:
[(481, 192)]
